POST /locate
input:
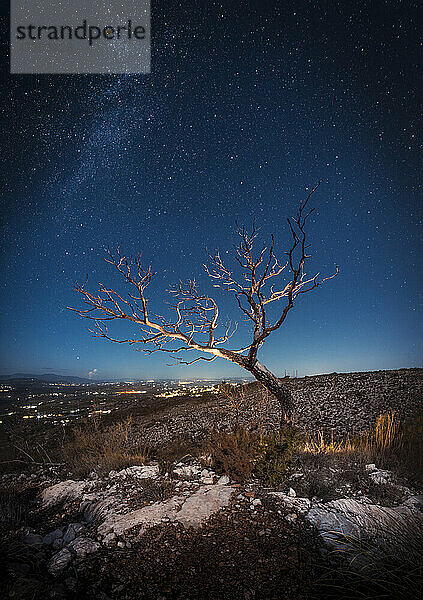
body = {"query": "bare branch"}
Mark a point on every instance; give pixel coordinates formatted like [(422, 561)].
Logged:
[(260, 279)]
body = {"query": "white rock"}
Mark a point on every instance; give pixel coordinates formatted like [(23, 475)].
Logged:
[(207, 480), (370, 467), (63, 491), (257, 502), (338, 519), (224, 480), (187, 471), (292, 493), (301, 505), (140, 472), (191, 511), (380, 477), (83, 546), (148, 516), (204, 503)]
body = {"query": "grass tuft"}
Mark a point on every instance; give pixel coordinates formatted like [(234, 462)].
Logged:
[(390, 567)]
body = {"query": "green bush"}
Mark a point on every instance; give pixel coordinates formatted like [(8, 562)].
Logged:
[(240, 453), (274, 454)]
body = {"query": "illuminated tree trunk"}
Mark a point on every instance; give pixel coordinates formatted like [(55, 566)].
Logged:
[(276, 387)]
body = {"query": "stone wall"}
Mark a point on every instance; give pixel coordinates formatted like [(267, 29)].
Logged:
[(351, 402)]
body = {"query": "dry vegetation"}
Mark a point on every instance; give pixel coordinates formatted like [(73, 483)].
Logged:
[(95, 447)]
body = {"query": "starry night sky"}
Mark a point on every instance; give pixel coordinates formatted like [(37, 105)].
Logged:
[(248, 105)]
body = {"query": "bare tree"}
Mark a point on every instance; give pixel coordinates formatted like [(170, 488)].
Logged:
[(194, 325)]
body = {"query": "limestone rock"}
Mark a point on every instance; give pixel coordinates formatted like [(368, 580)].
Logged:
[(204, 503), (82, 546), (224, 480), (148, 516), (338, 519), (63, 491), (207, 480), (301, 505), (380, 477), (140, 472), (370, 467), (187, 471), (191, 511)]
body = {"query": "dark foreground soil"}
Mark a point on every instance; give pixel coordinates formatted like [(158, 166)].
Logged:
[(239, 554)]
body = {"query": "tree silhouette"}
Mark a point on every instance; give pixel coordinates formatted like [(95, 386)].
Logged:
[(262, 280)]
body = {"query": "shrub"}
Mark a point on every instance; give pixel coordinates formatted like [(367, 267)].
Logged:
[(232, 452), (275, 454), (395, 445), (241, 452)]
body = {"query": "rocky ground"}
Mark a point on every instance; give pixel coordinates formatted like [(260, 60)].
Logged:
[(190, 532), (181, 527)]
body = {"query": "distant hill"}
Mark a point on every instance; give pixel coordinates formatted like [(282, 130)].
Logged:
[(49, 378)]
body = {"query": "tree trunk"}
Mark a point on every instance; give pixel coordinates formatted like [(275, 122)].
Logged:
[(275, 386)]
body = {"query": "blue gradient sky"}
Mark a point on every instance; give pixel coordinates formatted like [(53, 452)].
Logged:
[(244, 110)]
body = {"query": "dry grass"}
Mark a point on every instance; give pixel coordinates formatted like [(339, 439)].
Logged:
[(390, 567), (386, 430), (318, 444), (385, 435), (405, 454), (95, 447)]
